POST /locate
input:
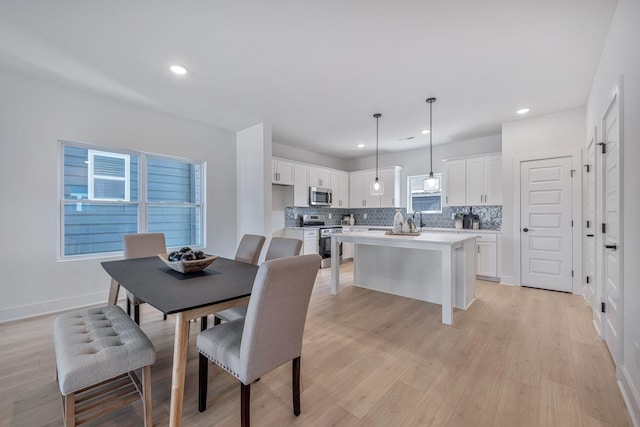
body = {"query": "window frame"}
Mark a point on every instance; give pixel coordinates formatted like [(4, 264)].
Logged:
[(91, 175), (410, 209), (141, 202)]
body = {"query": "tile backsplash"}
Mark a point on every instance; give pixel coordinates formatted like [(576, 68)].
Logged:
[(490, 216)]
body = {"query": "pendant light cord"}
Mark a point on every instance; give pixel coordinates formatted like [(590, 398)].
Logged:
[(377, 116), (430, 101)]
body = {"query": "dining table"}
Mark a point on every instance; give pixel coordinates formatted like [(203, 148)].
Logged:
[(223, 284)]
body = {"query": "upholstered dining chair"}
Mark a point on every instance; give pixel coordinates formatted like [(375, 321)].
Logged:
[(141, 245), (279, 247), (269, 336), (250, 248)]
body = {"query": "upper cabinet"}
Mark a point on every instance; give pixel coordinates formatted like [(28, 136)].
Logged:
[(360, 192), (319, 177), (484, 180), (281, 171), (301, 185), (473, 181), (340, 189), (454, 183)]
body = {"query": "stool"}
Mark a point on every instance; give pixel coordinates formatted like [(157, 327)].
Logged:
[(97, 351)]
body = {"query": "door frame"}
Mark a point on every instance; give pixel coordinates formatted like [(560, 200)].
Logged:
[(576, 207), (614, 95), (595, 304)]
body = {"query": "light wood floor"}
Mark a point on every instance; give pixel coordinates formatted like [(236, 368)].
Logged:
[(517, 357)]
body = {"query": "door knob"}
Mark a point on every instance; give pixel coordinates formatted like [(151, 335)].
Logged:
[(525, 229), (614, 247)]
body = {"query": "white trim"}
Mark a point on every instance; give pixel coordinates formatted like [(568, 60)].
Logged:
[(91, 175), (576, 204), (630, 395), (54, 306), (499, 153)]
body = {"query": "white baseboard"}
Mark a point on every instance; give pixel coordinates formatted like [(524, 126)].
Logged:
[(507, 280), (630, 394), (53, 306)]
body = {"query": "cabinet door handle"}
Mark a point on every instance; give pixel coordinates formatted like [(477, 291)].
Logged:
[(446, 199)]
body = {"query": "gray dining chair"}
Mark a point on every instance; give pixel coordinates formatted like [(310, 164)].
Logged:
[(250, 248), (279, 247), (141, 245), (269, 336)]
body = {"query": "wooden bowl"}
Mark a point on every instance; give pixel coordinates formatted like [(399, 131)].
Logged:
[(188, 266)]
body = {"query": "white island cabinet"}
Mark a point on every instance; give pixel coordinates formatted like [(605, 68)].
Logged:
[(435, 267)]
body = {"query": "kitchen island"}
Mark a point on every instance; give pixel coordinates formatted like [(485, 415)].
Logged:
[(432, 267)]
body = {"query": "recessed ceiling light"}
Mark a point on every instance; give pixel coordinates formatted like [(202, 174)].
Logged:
[(425, 131), (178, 69), (360, 145), (523, 110)]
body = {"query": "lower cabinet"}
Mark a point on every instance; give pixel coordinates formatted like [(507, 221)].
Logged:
[(310, 242), (487, 262)]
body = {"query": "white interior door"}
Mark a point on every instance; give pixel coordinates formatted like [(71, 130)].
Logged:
[(611, 236), (545, 224), (589, 231)]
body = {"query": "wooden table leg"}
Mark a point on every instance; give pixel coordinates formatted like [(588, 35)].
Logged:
[(114, 289), (180, 344)]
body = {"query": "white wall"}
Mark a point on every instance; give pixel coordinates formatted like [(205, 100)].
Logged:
[(253, 163), (33, 116), (621, 57), (561, 133), (416, 162), (304, 156)]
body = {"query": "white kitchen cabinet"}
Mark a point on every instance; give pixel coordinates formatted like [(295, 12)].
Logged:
[(301, 185), (340, 189), (310, 242), (347, 251), (455, 183), (484, 180), (319, 177), (360, 191), (474, 181), (487, 262), (282, 171)]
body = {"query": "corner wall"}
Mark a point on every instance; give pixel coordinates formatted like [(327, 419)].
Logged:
[(560, 133), (33, 117), (621, 58)]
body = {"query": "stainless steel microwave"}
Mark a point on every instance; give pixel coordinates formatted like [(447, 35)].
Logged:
[(319, 196)]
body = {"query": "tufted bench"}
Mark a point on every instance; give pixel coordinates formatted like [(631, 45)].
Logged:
[(97, 351)]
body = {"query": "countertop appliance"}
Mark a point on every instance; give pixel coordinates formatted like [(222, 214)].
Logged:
[(319, 196), (468, 220), (324, 236)]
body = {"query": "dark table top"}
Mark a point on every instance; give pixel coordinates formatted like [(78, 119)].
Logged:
[(171, 292)]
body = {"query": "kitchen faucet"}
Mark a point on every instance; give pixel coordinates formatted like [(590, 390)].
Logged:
[(414, 217)]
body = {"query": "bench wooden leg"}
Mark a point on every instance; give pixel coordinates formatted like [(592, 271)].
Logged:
[(146, 395), (70, 410)]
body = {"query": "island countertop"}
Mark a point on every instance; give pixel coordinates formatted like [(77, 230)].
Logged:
[(421, 241)]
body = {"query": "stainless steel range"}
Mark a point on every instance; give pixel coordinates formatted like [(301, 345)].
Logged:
[(324, 236)]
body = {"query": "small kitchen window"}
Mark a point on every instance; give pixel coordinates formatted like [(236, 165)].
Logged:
[(421, 200)]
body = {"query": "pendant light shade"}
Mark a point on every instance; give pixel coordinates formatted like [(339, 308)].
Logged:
[(377, 186), (431, 183)]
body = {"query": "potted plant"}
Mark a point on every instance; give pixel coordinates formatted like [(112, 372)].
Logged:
[(458, 216)]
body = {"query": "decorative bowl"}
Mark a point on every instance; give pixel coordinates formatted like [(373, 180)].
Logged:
[(188, 266)]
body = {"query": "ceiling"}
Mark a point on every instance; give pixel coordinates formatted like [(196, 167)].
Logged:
[(318, 70)]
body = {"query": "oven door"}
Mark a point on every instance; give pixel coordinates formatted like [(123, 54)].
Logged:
[(324, 249)]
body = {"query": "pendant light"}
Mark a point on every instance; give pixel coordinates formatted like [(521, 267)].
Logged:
[(377, 186), (432, 183)]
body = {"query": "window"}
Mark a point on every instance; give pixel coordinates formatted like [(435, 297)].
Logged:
[(107, 193), (419, 199)]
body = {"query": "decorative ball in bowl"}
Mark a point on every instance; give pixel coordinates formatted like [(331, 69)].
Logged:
[(187, 261)]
